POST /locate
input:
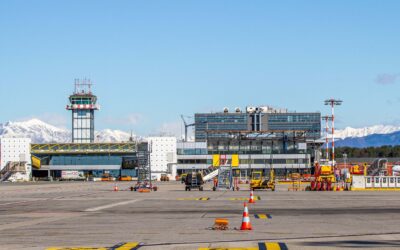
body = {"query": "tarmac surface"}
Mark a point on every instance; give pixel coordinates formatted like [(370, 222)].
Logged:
[(91, 214)]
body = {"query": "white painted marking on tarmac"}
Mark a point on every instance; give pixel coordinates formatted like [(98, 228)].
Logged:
[(95, 209)]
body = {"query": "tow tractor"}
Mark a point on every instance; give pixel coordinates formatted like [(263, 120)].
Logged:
[(258, 181)]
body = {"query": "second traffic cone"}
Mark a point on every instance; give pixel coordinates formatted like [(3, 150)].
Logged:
[(251, 200), (246, 225), (115, 187)]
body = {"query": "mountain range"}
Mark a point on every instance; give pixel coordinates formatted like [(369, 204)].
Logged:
[(42, 132)]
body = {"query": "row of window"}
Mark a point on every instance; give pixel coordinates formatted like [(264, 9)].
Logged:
[(290, 118), (82, 160), (247, 172), (82, 100), (246, 161)]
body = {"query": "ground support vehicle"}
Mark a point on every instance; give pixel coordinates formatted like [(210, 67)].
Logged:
[(194, 180), (323, 178), (258, 181)]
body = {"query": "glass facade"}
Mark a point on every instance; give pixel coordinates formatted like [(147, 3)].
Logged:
[(223, 125), (83, 125), (94, 165), (83, 160), (276, 146), (219, 122), (309, 122), (191, 151), (82, 117)]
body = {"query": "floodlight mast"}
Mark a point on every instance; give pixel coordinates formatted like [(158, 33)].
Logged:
[(327, 118), (333, 102)]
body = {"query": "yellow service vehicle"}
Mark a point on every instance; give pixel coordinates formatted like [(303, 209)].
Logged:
[(258, 181)]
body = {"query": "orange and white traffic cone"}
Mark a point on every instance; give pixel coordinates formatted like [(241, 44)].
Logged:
[(115, 187), (251, 200), (246, 219)]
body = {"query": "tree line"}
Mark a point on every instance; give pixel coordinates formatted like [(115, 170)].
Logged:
[(369, 152)]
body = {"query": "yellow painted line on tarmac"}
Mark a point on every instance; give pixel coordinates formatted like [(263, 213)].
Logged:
[(194, 199), (121, 246), (272, 246), (126, 246), (263, 216), (257, 198), (261, 246), (77, 248)]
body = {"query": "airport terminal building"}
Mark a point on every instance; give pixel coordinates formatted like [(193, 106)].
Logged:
[(89, 159), (262, 137), (84, 155)]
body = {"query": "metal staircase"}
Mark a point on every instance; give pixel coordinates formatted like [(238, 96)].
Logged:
[(210, 173), (378, 167), (224, 178), (11, 168)]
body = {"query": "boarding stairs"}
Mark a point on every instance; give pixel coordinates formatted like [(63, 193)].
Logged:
[(210, 173), (143, 167), (12, 168), (378, 167), (224, 178)]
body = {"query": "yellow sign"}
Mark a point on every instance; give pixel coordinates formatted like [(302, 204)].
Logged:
[(36, 162), (216, 160), (235, 160)]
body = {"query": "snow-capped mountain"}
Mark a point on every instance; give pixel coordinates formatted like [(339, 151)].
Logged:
[(374, 136), (374, 140), (349, 132), (41, 132)]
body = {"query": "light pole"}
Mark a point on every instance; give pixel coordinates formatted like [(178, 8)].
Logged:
[(333, 102)]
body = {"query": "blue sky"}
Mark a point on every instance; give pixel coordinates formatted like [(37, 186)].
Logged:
[(154, 60)]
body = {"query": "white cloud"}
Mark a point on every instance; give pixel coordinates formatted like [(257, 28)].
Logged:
[(386, 79)]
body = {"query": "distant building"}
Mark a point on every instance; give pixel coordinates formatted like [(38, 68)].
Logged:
[(14, 150), (262, 137), (257, 120), (84, 156), (163, 156), (90, 159)]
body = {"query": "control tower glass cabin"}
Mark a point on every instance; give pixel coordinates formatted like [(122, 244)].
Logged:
[(82, 104)]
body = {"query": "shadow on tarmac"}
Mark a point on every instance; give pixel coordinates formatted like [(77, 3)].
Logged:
[(353, 244)]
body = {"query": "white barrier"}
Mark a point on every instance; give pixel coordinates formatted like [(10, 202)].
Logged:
[(372, 182)]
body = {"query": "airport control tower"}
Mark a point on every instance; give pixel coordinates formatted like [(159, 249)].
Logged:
[(83, 104)]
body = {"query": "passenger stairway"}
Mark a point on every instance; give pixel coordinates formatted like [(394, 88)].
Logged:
[(378, 167), (10, 169), (5, 176), (224, 178), (210, 173)]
